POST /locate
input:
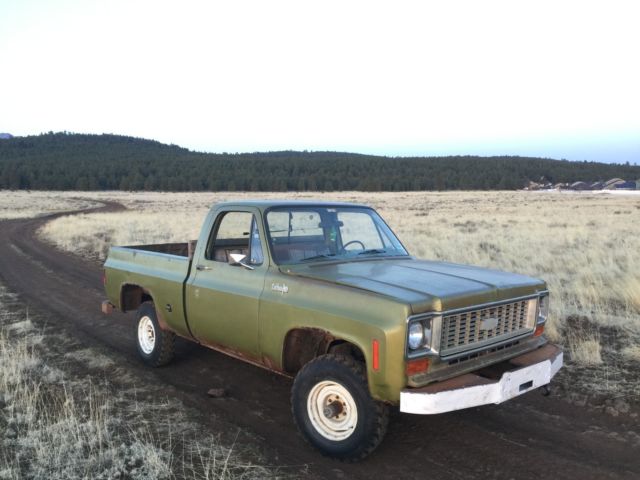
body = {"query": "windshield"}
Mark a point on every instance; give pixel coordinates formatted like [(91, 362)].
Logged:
[(317, 233)]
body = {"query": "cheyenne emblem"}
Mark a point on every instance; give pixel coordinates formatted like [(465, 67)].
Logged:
[(489, 323), (281, 288)]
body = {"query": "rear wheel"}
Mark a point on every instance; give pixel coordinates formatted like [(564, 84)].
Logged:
[(334, 410), (155, 346)]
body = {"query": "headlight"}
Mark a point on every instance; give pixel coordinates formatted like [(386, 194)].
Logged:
[(543, 308), (423, 335), (416, 335)]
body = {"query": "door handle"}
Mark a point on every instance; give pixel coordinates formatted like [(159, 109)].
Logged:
[(202, 267)]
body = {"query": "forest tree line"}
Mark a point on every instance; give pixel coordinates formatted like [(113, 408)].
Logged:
[(64, 161)]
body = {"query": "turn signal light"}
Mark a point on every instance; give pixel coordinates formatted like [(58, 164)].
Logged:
[(539, 330), (417, 366), (376, 355)]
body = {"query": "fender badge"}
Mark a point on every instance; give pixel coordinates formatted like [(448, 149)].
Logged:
[(276, 287)]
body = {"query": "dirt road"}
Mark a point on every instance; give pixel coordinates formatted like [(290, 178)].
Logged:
[(529, 437)]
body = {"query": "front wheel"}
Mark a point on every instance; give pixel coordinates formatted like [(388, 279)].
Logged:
[(155, 346), (334, 410)]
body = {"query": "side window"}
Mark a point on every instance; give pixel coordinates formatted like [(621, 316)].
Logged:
[(236, 232)]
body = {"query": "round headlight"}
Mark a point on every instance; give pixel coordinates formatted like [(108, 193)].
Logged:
[(416, 335)]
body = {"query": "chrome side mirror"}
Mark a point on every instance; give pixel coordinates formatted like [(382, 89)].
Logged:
[(237, 259)]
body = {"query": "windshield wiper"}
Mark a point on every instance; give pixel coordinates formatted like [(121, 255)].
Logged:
[(316, 257), (372, 251)]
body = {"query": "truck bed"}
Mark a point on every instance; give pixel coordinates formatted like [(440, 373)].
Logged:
[(161, 268), (178, 249)]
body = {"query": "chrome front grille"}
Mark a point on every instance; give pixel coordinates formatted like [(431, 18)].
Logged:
[(475, 328)]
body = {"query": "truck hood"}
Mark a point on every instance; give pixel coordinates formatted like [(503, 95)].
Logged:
[(424, 285)]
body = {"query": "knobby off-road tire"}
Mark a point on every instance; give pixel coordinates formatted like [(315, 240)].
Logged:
[(155, 346), (333, 409)]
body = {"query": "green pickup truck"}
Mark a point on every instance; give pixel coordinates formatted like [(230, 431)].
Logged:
[(326, 293)]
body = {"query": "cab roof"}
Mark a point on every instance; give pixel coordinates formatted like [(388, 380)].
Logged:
[(266, 204)]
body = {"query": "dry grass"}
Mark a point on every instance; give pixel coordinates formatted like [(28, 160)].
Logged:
[(632, 352), (25, 204), (584, 246), (55, 423), (587, 351)]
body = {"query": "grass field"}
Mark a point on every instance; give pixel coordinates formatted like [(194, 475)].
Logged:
[(60, 417), (24, 204), (584, 245)]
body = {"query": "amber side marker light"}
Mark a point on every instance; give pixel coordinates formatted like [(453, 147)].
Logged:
[(539, 330), (376, 355), (417, 366)]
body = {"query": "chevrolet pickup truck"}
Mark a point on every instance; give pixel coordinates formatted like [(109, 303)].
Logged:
[(325, 293)]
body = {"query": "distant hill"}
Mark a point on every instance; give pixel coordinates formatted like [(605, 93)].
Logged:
[(63, 161), (5, 136)]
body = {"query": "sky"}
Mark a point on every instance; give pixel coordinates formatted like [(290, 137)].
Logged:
[(558, 79)]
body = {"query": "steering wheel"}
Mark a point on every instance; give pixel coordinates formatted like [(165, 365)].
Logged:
[(344, 247)]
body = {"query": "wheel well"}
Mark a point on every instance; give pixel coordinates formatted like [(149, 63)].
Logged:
[(301, 345), (132, 296)]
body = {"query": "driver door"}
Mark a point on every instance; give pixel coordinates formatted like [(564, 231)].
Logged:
[(222, 299)]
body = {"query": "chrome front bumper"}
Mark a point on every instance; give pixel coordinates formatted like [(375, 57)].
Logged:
[(527, 372)]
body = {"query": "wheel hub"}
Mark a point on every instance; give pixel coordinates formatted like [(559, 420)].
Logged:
[(146, 335), (332, 410)]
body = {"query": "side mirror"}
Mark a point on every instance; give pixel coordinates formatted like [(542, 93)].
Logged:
[(237, 259)]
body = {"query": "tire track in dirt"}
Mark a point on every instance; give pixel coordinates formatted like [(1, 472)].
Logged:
[(528, 437)]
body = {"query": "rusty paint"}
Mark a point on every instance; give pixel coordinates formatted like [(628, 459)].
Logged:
[(302, 345), (161, 320), (546, 352), (107, 307), (240, 356), (269, 363), (463, 381)]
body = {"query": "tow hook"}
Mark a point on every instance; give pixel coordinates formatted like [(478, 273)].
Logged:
[(545, 390)]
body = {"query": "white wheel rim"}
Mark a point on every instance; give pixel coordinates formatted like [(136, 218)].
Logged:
[(146, 335), (332, 410)]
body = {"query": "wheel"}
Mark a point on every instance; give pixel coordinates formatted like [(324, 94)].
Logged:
[(155, 345), (334, 410)]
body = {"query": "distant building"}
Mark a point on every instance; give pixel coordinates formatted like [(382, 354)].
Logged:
[(580, 186), (597, 186), (611, 184), (626, 186)]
